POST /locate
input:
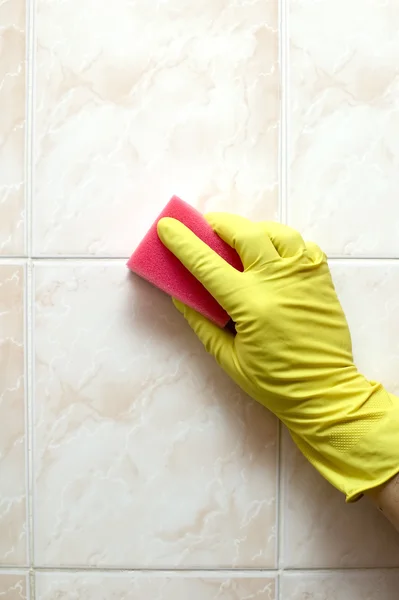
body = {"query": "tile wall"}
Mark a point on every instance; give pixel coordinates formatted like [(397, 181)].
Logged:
[(130, 466)]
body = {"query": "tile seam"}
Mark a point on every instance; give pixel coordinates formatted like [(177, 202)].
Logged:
[(30, 57), (267, 572), (29, 396), (30, 114), (19, 260), (283, 92), (283, 218)]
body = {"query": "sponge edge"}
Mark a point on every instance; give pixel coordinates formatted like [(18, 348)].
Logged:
[(155, 263)]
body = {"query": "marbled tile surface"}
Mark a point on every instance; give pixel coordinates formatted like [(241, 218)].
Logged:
[(137, 101), (344, 124), (90, 586), (340, 585), (369, 295), (130, 466), (12, 126), (137, 428), (329, 533), (12, 418), (13, 586)]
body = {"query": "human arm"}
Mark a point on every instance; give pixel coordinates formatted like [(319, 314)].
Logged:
[(386, 499)]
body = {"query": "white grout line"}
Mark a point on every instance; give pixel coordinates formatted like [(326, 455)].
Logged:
[(280, 492), (31, 595), (171, 572), (200, 572), (30, 113), (23, 573), (30, 58), (93, 262), (32, 417), (287, 105), (16, 261), (27, 131), (283, 191), (370, 260), (7, 570), (29, 383), (339, 570), (26, 411), (78, 257), (22, 260), (278, 496), (283, 146)]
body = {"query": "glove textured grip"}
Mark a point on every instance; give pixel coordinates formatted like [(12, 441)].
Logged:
[(362, 453)]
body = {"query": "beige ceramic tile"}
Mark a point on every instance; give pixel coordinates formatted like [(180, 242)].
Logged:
[(137, 101), (372, 585), (97, 586), (12, 126), (344, 101), (369, 292), (13, 587), (320, 530), (145, 453), (12, 417)]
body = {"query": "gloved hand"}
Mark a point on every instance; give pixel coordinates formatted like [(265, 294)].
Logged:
[(292, 351)]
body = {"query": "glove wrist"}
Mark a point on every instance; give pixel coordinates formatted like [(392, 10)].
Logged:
[(360, 450)]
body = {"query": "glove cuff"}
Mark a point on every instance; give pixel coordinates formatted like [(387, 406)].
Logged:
[(368, 463)]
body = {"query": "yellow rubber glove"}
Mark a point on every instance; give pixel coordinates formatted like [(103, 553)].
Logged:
[(292, 351)]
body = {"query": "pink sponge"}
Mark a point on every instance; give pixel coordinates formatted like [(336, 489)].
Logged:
[(155, 263)]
